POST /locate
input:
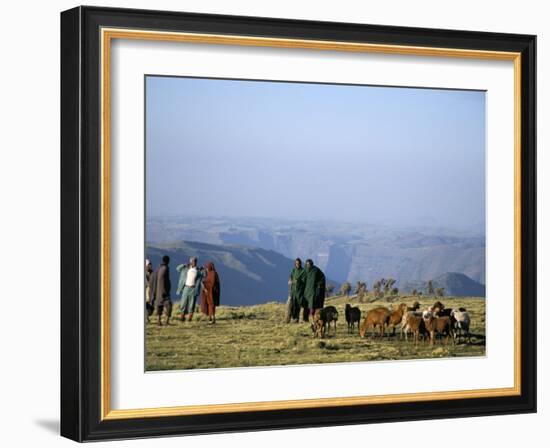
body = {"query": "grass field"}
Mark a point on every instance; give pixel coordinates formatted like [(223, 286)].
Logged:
[(257, 336)]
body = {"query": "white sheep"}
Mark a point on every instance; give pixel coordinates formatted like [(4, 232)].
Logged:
[(462, 318)]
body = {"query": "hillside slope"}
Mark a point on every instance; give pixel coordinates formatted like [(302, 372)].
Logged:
[(248, 275)]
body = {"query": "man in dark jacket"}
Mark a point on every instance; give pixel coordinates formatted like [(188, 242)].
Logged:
[(296, 297), (161, 290), (149, 306), (315, 285)]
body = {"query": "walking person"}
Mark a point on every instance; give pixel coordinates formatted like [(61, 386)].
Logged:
[(189, 286), (161, 287), (296, 296), (210, 297), (315, 287)]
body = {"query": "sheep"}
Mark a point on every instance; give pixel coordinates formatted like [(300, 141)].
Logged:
[(437, 304), (404, 328), (413, 321), (439, 309), (397, 316), (322, 319), (415, 306), (318, 325), (331, 316), (376, 317), (461, 323), (353, 315), (438, 325)]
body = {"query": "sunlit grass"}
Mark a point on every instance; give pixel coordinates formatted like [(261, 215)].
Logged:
[(257, 336)]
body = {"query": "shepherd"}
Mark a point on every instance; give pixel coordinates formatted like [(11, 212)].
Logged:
[(297, 287), (160, 286), (315, 286), (210, 297)]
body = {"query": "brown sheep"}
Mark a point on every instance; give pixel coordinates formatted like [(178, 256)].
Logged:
[(376, 317), (322, 319), (397, 316), (318, 326), (413, 322), (439, 325), (439, 310), (438, 304)]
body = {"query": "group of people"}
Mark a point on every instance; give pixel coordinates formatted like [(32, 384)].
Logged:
[(196, 285), (307, 291), (201, 285)]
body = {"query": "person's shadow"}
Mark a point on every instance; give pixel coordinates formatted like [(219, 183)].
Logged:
[(49, 425)]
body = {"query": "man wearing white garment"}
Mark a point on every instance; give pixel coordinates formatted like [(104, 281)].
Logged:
[(189, 285)]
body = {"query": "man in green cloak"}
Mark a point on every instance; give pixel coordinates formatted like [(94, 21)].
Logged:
[(315, 285), (297, 286)]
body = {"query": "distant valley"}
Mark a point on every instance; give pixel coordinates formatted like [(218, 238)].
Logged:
[(345, 251)]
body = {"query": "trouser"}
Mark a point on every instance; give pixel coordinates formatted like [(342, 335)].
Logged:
[(295, 309), (305, 314), (188, 298), (165, 306)]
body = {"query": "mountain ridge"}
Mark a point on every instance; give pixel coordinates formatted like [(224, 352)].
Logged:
[(455, 284)]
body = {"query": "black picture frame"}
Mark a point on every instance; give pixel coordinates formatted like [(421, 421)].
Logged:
[(81, 224)]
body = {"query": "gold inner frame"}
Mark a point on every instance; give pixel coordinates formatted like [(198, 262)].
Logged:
[(107, 35)]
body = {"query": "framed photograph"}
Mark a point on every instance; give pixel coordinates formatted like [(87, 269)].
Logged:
[(273, 223)]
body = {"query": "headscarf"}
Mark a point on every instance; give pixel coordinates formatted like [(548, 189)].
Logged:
[(209, 266)]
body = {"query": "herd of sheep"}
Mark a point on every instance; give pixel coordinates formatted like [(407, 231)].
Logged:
[(436, 320)]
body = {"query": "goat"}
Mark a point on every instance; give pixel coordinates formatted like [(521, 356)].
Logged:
[(353, 315), (376, 317)]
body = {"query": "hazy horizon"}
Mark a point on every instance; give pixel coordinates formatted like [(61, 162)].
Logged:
[(400, 157), (473, 230)]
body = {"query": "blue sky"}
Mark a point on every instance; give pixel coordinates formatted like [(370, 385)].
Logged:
[(398, 156)]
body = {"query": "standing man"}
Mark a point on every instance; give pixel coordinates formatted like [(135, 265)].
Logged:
[(189, 285), (315, 285), (149, 301), (297, 287), (161, 286), (148, 275)]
